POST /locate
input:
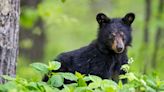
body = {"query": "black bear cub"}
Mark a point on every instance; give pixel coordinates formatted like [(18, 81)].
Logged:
[(105, 55)]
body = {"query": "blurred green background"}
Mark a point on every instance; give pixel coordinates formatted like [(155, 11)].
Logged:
[(49, 27)]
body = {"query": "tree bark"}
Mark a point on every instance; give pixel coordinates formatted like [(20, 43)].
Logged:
[(147, 19), (9, 35), (36, 51), (158, 35), (146, 31)]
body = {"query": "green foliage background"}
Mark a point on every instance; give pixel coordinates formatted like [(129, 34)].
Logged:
[(71, 24)]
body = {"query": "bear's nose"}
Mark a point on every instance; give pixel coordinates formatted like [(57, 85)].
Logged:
[(119, 48)]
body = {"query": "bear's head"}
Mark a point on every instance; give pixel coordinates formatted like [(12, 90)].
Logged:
[(115, 33)]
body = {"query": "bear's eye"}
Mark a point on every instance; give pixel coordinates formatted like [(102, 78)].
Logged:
[(123, 37), (112, 35)]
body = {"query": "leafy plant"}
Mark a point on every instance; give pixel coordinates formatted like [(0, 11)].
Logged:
[(81, 82)]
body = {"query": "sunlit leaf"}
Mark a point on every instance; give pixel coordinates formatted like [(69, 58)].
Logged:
[(95, 78), (79, 75), (94, 85), (83, 89), (81, 82), (43, 68), (69, 76), (54, 65), (56, 81), (108, 85), (125, 67)]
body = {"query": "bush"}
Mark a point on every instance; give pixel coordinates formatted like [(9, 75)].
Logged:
[(141, 83)]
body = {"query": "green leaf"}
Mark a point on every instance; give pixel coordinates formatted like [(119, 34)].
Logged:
[(66, 89), (40, 86), (54, 65), (79, 75), (120, 85), (83, 89), (95, 78), (11, 85), (108, 85), (6, 77), (94, 85), (72, 86), (81, 82), (125, 67), (43, 68), (21, 81), (46, 88), (109, 89), (69, 76), (56, 80), (143, 82), (87, 78), (97, 90), (150, 83), (122, 77), (32, 86), (54, 90), (131, 76)]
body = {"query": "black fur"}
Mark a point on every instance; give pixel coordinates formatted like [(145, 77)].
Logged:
[(98, 58)]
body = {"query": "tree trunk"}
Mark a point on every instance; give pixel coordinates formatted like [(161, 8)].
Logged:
[(9, 35), (146, 32), (158, 35), (36, 51), (147, 19)]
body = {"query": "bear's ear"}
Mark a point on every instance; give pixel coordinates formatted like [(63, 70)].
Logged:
[(102, 18), (128, 18)]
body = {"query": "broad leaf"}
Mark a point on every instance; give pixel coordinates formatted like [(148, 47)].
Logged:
[(95, 78), (94, 85), (79, 75), (54, 65), (69, 76), (81, 82), (40, 67), (56, 81)]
